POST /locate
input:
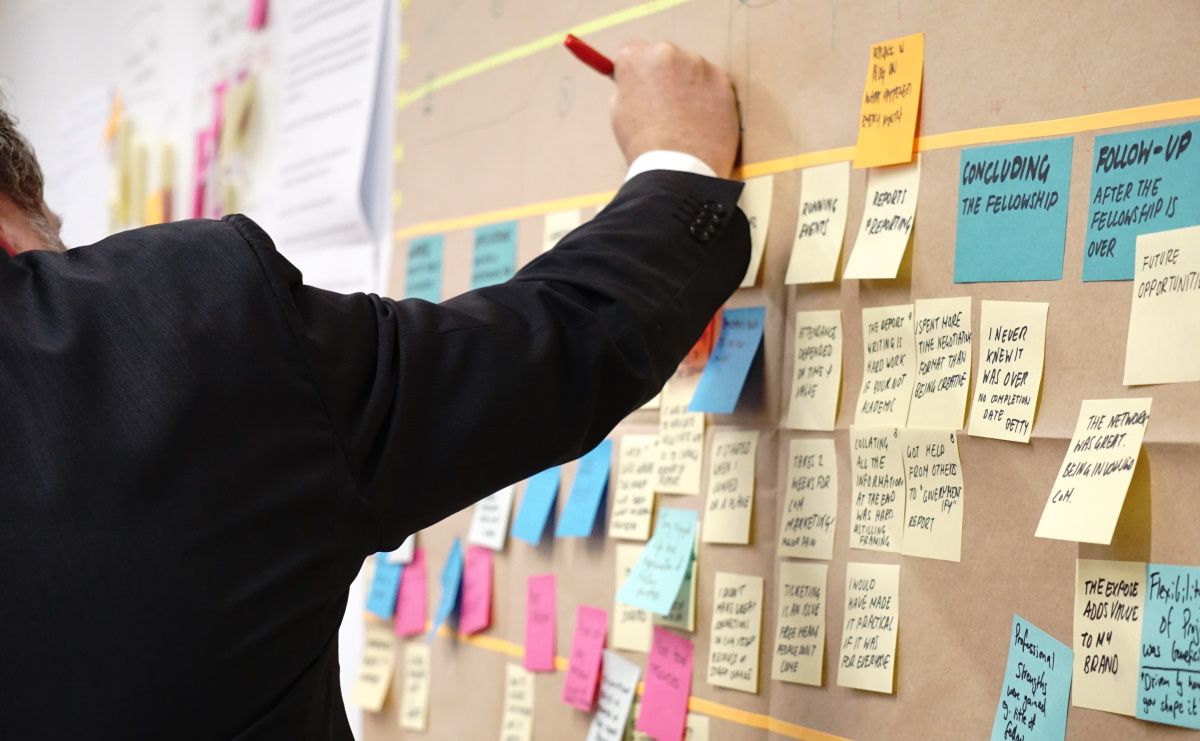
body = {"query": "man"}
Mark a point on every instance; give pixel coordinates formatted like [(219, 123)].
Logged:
[(197, 451)]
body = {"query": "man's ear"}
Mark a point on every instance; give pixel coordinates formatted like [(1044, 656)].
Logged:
[(6, 246)]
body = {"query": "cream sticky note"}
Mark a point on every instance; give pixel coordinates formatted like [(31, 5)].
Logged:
[(889, 366), (618, 684), (1087, 496), (489, 519), (558, 225), (810, 501), (730, 499), (942, 332), (816, 370), (887, 222), (799, 654), (1110, 599), (933, 509), (414, 707), (375, 675), (682, 613), (820, 224), (631, 629), (1013, 349), (633, 502), (680, 436), (756, 203), (516, 723), (696, 728), (736, 634), (887, 124), (872, 617), (877, 489), (587, 648), (1163, 345)]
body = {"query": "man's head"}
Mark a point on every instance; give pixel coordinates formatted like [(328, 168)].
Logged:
[(25, 222)]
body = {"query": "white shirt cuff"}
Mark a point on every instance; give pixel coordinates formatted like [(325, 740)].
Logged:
[(665, 159)]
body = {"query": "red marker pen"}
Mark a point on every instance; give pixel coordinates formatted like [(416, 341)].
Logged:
[(588, 55)]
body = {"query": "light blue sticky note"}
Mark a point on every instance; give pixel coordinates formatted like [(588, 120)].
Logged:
[(451, 582), (725, 374), (587, 492), (423, 279), (494, 259), (1012, 211), (381, 600), (1142, 181), (541, 491), (1037, 686), (1169, 685), (654, 581)]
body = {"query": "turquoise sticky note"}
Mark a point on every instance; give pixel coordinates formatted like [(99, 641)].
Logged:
[(494, 259), (423, 277), (1169, 685), (654, 581), (1012, 211), (587, 492), (452, 573), (725, 374), (1037, 686), (1142, 181), (381, 600), (541, 491)]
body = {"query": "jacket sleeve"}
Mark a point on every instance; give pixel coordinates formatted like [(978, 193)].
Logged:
[(438, 405)]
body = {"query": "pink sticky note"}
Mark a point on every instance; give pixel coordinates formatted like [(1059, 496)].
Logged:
[(539, 623), (476, 591), (257, 17), (663, 713), (587, 650), (411, 604)]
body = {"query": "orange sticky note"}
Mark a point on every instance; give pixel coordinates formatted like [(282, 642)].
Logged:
[(891, 100)]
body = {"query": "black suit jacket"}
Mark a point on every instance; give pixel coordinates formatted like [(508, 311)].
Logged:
[(197, 450)]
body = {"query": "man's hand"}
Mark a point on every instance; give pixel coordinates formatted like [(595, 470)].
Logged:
[(668, 98)]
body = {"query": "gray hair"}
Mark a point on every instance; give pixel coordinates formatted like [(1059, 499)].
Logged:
[(21, 181)]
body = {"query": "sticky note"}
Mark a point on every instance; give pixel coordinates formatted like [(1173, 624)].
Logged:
[(381, 600), (256, 19), (1037, 683), (933, 510), (476, 591), (1168, 688), (587, 648), (494, 259), (816, 370), (1142, 181), (1164, 314), (877, 494), (680, 436), (730, 499), (558, 225), (423, 272), (540, 622), (489, 519), (942, 333), (887, 222), (696, 728), (872, 616), (1110, 601), (618, 683), (411, 604), (735, 637), (541, 491), (668, 685), (682, 615), (657, 575), (725, 374), (755, 202), (820, 224), (414, 707), (1012, 211), (587, 492), (1087, 496), (633, 502), (404, 554), (887, 125), (451, 584), (889, 366), (631, 625), (516, 722), (375, 675), (810, 500), (1013, 336), (799, 654)]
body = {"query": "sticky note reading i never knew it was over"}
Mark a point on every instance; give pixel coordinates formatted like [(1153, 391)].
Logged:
[(725, 374), (663, 710), (587, 648), (889, 366), (1109, 606), (820, 224), (887, 124), (1168, 688), (541, 492), (540, 622), (816, 370), (887, 222), (942, 332), (755, 202), (799, 652), (730, 499), (1036, 687), (633, 502), (587, 492), (658, 574), (872, 617), (1013, 350), (1164, 316), (810, 502), (494, 259), (877, 489), (736, 634), (423, 276)]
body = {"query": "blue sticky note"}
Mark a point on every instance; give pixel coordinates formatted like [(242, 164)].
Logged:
[(541, 491), (451, 582), (1142, 181), (1037, 686), (494, 259), (381, 600), (1012, 211), (587, 492), (656, 577), (1169, 685), (725, 374), (423, 279)]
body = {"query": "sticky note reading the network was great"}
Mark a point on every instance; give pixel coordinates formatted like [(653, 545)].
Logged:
[(877, 489), (423, 276), (657, 575), (1012, 211), (411, 604), (587, 492), (1110, 601), (886, 223), (476, 591), (587, 648), (887, 125), (1164, 316), (1168, 684), (735, 638), (810, 501), (820, 224), (451, 586), (1036, 687), (889, 366), (668, 684), (933, 512), (730, 487), (633, 502), (558, 225), (540, 622), (680, 436), (942, 334), (516, 722), (737, 343), (755, 202), (414, 707), (872, 616), (1013, 336), (631, 625), (816, 370), (381, 600), (375, 674), (489, 519), (618, 683), (494, 259), (799, 652), (541, 491), (1142, 182)]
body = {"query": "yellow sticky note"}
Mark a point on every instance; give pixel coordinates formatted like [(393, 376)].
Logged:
[(800, 630), (1109, 601), (654, 403), (695, 728), (730, 499), (1164, 318), (516, 723), (806, 529), (820, 224), (632, 627), (155, 208), (1087, 496), (872, 617), (682, 615), (414, 709), (887, 125), (877, 489), (1013, 350), (736, 634), (756, 203), (558, 225), (375, 675), (633, 502), (680, 436), (816, 370), (889, 366), (942, 332), (887, 222), (933, 512)]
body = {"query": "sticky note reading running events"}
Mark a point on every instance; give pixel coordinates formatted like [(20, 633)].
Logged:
[(887, 125), (887, 222), (820, 224)]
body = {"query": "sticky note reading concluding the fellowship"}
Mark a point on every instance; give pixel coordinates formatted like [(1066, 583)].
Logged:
[(736, 634), (558, 225), (385, 583), (668, 684), (887, 222), (618, 683), (633, 502), (476, 591), (877, 491), (1010, 369), (680, 436), (375, 674), (725, 375), (1109, 604), (631, 625), (587, 648), (1164, 316), (516, 723), (414, 707), (730, 487), (1087, 496), (1168, 688), (887, 125), (816, 371), (489, 519), (423, 277), (1037, 683), (933, 512), (810, 502), (942, 331), (755, 202), (541, 491), (587, 492), (451, 584), (889, 366), (656, 577), (411, 605), (820, 224), (872, 615), (540, 622), (800, 631), (494, 259)]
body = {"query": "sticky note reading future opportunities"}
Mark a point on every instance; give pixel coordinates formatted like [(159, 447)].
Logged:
[(816, 370), (737, 343), (1037, 683), (887, 222), (411, 604), (587, 648), (736, 634), (657, 575), (381, 600), (942, 334), (730, 499), (1164, 317), (680, 436), (633, 502), (540, 622), (933, 510), (618, 683), (1013, 350), (423, 274), (451, 586), (887, 125), (516, 722), (489, 520), (476, 591), (889, 366), (587, 492), (799, 652), (558, 225), (1109, 605), (810, 501), (541, 491), (494, 259), (631, 628), (663, 708), (414, 707), (1168, 688), (375, 674), (872, 615), (820, 224), (755, 202), (877, 489)]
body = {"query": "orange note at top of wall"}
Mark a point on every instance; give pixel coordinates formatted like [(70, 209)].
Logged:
[(890, 103)]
